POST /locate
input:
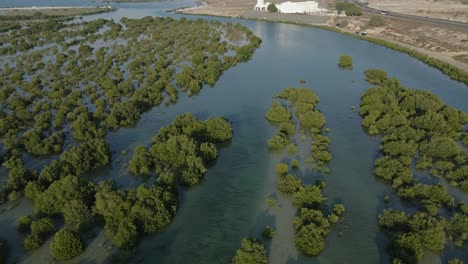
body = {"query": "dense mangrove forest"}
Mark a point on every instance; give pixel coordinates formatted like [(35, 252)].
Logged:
[(420, 137), (144, 135), (65, 86)]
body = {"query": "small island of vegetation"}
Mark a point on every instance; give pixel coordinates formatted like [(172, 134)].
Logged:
[(346, 62), (313, 221)]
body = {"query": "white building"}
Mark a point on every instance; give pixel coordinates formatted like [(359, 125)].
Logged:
[(308, 7), (261, 5)]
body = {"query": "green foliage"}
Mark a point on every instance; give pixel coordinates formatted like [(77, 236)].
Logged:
[(66, 245), (376, 21), (250, 252), (298, 96), (218, 130), (308, 196), (278, 113), (272, 8), (313, 120), (127, 213), (18, 175), (291, 148), (140, 163), (375, 76), (346, 62), (312, 228), (268, 233), (289, 184), (295, 164), (40, 231), (85, 157), (282, 168), (179, 154), (32, 242), (42, 227), (391, 169), (278, 142), (85, 129), (412, 121), (309, 240), (350, 9), (432, 194), (440, 147), (413, 233), (25, 223), (320, 151), (457, 228), (183, 148), (288, 128), (338, 209), (54, 199), (416, 125), (76, 213), (60, 86), (311, 225)]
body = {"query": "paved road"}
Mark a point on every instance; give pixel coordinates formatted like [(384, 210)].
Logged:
[(435, 21)]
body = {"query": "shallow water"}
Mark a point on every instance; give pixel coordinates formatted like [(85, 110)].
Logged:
[(231, 202)]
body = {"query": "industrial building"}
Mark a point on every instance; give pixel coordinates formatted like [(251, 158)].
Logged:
[(308, 7)]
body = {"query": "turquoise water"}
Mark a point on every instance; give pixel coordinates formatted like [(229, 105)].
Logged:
[(230, 203)]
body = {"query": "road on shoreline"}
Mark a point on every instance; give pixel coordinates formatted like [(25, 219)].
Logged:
[(435, 21)]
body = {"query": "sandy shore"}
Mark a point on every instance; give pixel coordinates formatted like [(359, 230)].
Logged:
[(54, 11), (40, 8), (243, 9)]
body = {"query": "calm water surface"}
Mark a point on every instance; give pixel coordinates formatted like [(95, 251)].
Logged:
[(230, 203)]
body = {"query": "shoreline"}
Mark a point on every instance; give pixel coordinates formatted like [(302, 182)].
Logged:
[(21, 14), (30, 8), (456, 70)]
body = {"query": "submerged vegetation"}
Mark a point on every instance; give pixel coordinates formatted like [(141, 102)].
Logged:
[(418, 131), (92, 77), (251, 252), (182, 149), (346, 62), (64, 86), (302, 102), (311, 224), (178, 156)]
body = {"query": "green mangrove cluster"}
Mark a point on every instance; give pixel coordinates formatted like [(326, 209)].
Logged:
[(182, 149), (346, 62), (251, 252), (69, 84), (303, 101), (64, 86), (418, 132), (311, 225), (178, 155)]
